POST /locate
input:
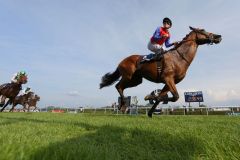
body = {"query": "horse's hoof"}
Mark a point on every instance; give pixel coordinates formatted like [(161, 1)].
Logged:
[(149, 115), (148, 97)]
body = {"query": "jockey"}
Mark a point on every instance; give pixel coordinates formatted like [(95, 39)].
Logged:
[(160, 36), (26, 90), (17, 75)]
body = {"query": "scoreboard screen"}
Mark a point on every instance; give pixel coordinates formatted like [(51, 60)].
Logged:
[(193, 96)]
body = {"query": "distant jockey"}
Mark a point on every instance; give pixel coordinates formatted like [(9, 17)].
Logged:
[(17, 75), (26, 90)]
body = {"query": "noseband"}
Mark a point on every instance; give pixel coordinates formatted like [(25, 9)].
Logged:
[(209, 36)]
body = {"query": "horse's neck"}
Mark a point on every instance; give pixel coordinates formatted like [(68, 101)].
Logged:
[(37, 99), (13, 89), (22, 97), (19, 99), (16, 85), (188, 49)]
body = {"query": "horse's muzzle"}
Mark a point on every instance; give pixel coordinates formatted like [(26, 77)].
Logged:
[(217, 39)]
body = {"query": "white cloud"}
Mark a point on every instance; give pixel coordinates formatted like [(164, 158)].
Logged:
[(223, 95), (73, 93)]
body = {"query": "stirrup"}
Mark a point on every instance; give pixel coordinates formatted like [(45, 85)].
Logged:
[(144, 60)]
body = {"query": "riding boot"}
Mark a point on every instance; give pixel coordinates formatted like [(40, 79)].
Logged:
[(147, 58)]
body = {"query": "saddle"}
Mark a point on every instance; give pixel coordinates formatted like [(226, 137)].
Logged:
[(153, 56), (159, 62)]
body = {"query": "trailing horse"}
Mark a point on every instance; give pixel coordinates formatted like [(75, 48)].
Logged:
[(170, 70), (32, 102), (22, 100)]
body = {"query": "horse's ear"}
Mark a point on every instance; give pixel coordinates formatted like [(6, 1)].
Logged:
[(192, 28)]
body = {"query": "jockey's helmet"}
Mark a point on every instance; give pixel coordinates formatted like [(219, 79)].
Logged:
[(27, 89), (22, 73), (167, 20)]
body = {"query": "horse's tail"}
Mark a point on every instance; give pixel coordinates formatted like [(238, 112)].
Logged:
[(109, 78)]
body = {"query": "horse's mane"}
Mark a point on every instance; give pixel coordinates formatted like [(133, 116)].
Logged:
[(181, 42)]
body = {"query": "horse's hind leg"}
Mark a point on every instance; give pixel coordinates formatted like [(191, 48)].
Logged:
[(25, 108), (5, 105), (120, 88), (3, 98), (127, 83)]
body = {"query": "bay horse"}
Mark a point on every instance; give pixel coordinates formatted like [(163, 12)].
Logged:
[(32, 102), (173, 68), (11, 90), (22, 100)]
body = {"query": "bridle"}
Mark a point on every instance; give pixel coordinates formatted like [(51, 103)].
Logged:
[(209, 37)]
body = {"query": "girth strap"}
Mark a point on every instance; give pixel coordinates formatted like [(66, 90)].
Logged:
[(159, 70)]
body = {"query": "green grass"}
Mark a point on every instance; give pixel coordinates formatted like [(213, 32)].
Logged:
[(47, 136)]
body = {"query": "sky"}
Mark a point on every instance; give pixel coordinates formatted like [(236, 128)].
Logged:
[(66, 46)]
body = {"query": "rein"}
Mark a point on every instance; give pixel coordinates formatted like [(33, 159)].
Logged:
[(181, 55), (210, 37)]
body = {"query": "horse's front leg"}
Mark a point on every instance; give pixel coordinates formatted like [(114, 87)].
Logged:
[(13, 107), (159, 98), (150, 97), (172, 88), (150, 112)]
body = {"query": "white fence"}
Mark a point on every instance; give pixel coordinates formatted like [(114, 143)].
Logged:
[(231, 110)]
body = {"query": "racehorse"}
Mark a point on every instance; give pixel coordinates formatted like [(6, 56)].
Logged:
[(32, 102), (11, 90), (170, 70), (22, 100)]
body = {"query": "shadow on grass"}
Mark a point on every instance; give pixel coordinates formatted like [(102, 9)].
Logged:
[(112, 142)]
